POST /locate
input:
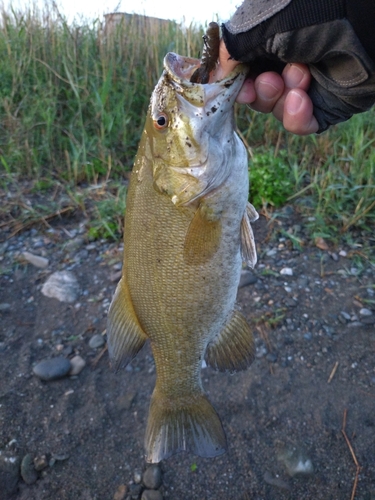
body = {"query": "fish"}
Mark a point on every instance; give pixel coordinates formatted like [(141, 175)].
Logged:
[(187, 232)]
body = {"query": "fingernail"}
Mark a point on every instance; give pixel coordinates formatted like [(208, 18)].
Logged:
[(293, 102), (293, 76), (266, 90)]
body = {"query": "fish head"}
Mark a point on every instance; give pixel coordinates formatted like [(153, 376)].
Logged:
[(190, 127)]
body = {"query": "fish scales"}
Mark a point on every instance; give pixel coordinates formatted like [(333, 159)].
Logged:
[(182, 257)]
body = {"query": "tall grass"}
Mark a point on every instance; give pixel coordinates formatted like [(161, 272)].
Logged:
[(73, 100), (332, 175)]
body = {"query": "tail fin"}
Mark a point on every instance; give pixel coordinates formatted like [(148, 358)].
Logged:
[(188, 424)]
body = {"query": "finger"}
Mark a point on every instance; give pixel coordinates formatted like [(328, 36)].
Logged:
[(225, 65), (298, 115), (296, 76), (247, 93), (269, 87)]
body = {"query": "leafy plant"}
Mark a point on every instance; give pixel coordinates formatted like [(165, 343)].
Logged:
[(271, 181)]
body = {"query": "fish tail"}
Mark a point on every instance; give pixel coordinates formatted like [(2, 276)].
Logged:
[(188, 424)]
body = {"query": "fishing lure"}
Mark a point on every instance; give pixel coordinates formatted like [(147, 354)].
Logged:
[(210, 54)]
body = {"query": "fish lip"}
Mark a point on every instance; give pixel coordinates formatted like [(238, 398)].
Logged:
[(180, 69)]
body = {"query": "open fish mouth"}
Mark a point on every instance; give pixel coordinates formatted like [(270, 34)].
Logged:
[(180, 70)]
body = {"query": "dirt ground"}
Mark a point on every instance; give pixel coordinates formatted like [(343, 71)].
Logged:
[(313, 377)]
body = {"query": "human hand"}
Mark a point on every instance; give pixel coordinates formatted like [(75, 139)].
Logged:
[(333, 37), (283, 95)]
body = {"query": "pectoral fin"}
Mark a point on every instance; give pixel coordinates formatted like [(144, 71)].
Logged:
[(124, 333), (248, 247), (202, 239), (233, 349)]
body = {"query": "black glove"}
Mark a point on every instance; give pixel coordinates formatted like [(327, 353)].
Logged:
[(335, 38)]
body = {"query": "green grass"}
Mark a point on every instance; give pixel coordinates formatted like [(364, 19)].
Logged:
[(72, 106), (331, 176)]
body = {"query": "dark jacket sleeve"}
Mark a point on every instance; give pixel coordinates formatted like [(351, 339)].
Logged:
[(333, 37)]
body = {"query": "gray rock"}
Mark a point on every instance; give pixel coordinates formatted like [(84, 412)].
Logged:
[(96, 341), (3, 346), (296, 462), (4, 307), (151, 495), (61, 285), (52, 369), (152, 478), (35, 260), (365, 312), (28, 472), (9, 472), (247, 278), (77, 365), (286, 271), (345, 316)]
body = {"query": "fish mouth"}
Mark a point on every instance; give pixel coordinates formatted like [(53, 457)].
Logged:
[(180, 70)]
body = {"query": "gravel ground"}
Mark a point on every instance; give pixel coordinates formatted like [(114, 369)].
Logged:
[(70, 428)]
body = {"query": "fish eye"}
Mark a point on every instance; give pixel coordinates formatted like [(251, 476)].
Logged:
[(161, 121)]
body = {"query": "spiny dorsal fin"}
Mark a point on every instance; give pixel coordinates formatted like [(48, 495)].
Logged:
[(248, 247), (233, 349), (124, 333), (202, 239)]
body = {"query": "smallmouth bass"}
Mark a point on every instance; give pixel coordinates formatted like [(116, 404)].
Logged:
[(187, 230)]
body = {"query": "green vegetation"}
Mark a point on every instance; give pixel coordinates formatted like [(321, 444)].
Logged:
[(73, 99)]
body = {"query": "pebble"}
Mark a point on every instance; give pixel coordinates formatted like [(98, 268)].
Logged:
[(4, 307), (77, 365), (115, 276), (120, 492), (35, 260), (52, 369), (96, 341), (151, 495), (296, 462), (9, 472), (152, 478), (247, 278), (61, 285), (137, 476), (365, 312), (28, 472), (286, 271), (345, 315), (40, 463)]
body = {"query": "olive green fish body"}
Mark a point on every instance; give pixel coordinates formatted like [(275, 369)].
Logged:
[(184, 227)]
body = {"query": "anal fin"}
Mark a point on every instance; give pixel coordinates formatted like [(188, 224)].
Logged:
[(189, 423), (124, 333), (202, 239), (248, 247), (233, 349)]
